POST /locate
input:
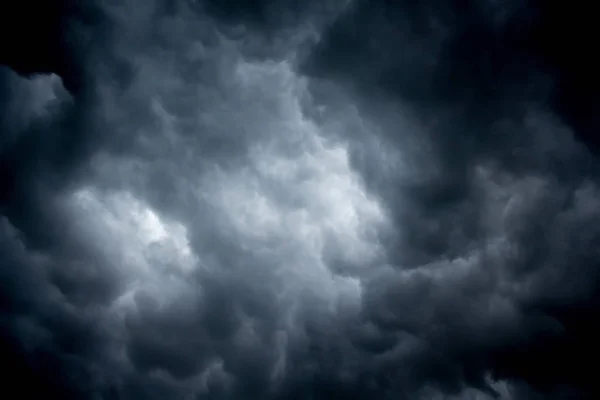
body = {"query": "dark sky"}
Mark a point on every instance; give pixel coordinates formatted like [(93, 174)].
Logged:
[(299, 200)]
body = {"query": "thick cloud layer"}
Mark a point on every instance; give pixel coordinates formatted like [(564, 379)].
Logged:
[(298, 200)]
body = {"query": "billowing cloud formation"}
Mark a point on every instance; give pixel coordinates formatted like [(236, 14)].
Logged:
[(295, 200)]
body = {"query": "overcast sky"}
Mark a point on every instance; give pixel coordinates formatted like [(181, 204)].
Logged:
[(299, 200)]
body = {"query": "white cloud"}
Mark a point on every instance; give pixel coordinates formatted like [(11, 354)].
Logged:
[(282, 192), (152, 251)]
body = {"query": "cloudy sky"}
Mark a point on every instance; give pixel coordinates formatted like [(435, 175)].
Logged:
[(319, 199)]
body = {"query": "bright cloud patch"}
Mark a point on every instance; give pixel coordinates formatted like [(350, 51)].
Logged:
[(290, 201), (152, 251), (297, 199)]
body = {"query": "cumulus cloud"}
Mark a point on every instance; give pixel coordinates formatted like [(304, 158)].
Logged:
[(341, 199)]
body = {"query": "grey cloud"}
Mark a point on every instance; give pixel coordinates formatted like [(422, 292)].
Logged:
[(274, 201)]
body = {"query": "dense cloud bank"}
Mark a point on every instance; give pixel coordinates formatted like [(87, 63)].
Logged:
[(298, 200)]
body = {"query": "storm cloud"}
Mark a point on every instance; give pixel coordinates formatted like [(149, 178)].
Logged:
[(341, 199)]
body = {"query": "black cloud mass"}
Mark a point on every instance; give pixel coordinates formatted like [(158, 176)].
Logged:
[(335, 199)]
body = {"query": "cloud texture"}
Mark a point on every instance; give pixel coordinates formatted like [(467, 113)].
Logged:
[(297, 200)]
